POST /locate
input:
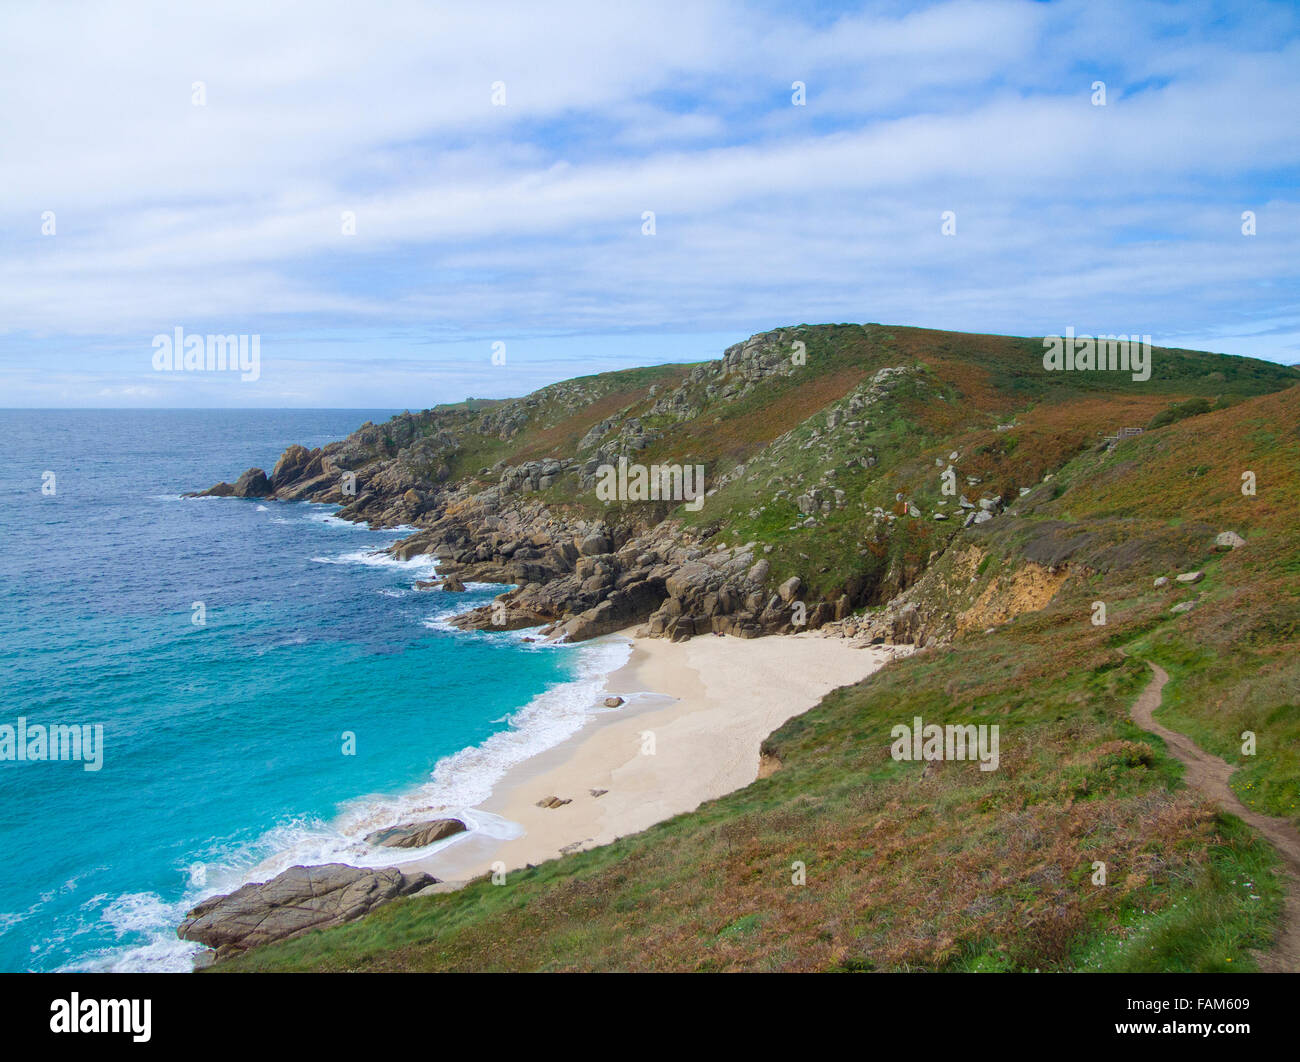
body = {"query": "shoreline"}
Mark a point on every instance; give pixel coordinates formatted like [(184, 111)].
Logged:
[(689, 730), (704, 706)]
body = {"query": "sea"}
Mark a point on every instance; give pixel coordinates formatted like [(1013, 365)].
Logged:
[(268, 684)]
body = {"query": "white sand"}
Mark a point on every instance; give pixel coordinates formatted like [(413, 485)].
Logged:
[(708, 702)]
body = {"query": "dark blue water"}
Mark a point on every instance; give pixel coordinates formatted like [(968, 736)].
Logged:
[(223, 743)]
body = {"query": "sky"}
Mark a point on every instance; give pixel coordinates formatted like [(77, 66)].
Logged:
[(169, 166)]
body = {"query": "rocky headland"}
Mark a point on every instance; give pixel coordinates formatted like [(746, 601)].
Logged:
[(578, 568)]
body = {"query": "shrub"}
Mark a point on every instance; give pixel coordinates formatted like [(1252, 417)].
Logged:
[(1180, 411)]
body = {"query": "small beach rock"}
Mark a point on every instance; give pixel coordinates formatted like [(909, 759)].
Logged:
[(613, 702), (415, 834), (552, 802), (598, 792)]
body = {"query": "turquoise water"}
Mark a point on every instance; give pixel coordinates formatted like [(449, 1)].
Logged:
[(224, 744)]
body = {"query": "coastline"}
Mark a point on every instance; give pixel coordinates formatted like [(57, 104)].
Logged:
[(706, 705)]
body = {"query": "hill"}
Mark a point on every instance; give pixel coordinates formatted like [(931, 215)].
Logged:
[(903, 485)]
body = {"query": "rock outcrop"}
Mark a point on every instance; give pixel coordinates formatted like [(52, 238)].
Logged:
[(252, 484), (295, 902)]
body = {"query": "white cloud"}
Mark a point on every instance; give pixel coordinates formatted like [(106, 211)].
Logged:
[(477, 220)]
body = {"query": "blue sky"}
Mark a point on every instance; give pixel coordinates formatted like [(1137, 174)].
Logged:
[(478, 223)]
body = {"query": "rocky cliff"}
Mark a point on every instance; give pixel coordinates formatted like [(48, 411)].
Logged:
[(840, 463)]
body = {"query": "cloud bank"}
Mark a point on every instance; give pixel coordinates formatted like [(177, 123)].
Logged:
[(383, 191)]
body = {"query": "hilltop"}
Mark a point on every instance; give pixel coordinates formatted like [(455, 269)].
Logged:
[(829, 451)]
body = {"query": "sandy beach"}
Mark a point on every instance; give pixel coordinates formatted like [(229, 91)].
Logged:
[(703, 705)]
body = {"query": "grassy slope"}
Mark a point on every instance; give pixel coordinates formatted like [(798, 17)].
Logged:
[(961, 869)]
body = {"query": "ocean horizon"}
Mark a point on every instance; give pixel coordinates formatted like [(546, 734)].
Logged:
[(232, 651)]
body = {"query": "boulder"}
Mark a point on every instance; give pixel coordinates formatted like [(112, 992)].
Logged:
[(454, 584), (295, 902), (789, 589), (415, 834), (1226, 541), (252, 484), (906, 625), (1161, 581), (1190, 577)]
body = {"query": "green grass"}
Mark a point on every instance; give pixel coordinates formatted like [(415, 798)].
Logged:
[(1214, 925)]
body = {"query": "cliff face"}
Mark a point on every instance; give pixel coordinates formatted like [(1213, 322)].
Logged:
[(844, 467)]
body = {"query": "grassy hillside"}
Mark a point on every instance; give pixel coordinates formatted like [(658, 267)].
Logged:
[(950, 868)]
